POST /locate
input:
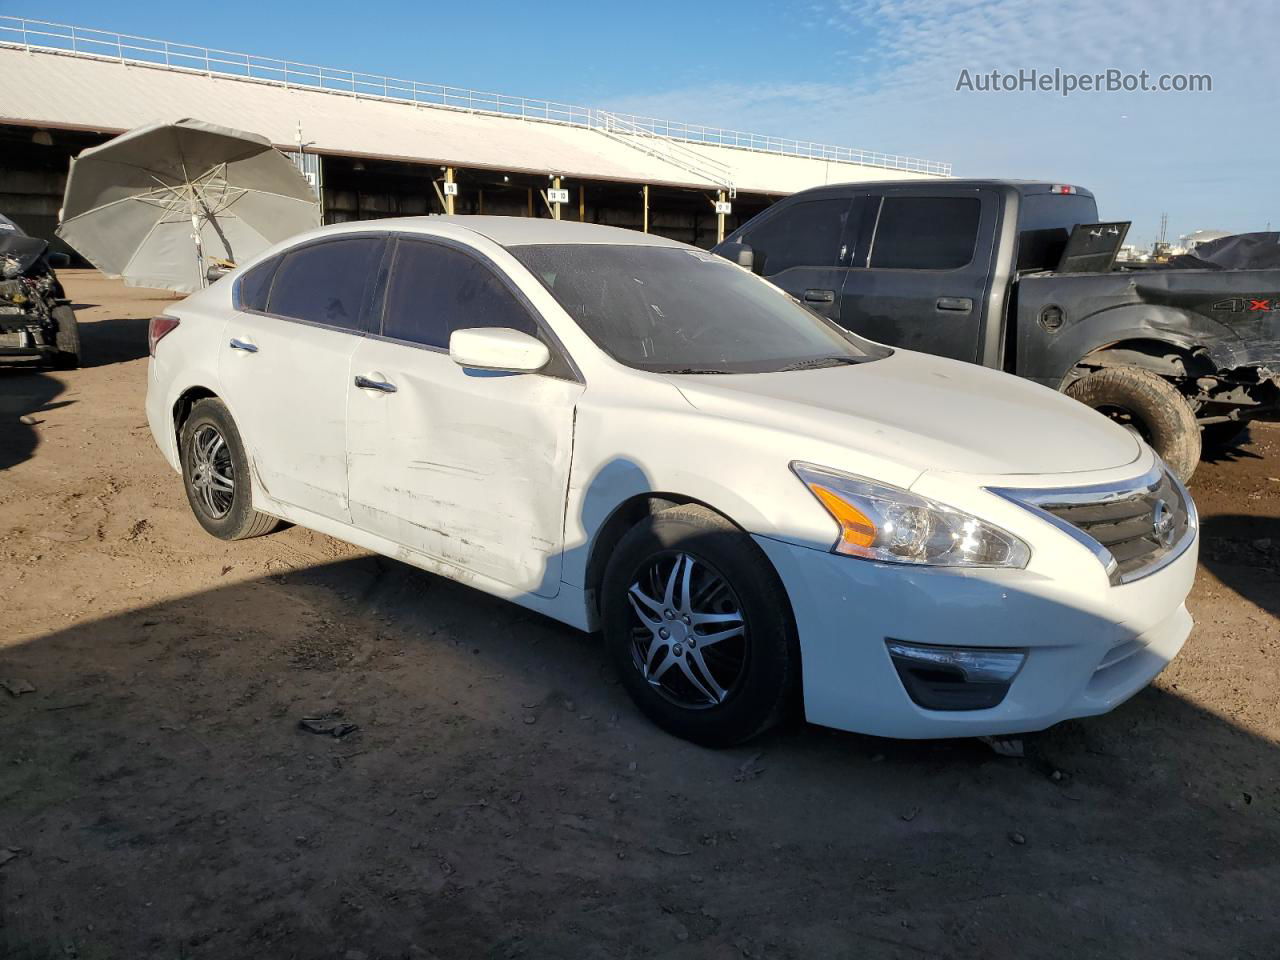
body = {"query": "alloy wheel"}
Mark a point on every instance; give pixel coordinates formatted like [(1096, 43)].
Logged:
[(689, 632), (212, 472)]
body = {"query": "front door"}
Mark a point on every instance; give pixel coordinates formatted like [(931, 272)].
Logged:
[(470, 467), (926, 277), (284, 370), (801, 247)]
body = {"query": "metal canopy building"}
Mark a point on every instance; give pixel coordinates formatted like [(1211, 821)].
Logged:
[(379, 146)]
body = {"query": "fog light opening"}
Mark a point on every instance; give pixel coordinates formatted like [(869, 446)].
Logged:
[(955, 678)]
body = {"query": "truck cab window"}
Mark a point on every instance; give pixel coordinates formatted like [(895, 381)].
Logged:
[(926, 233), (806, 234)]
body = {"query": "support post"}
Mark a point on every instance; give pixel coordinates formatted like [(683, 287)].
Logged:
[(449, 195), (555, 207), (479, 201), (531, 201), (720, 220), (582, 203), (646, 207)]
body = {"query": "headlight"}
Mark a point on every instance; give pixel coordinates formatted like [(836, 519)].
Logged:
[(880, 522)]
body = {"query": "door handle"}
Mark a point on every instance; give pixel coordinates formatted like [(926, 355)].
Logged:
[(820, 296), (366, 383), (955, 304), (244, 345)]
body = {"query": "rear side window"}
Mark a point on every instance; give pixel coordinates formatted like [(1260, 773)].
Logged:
[(1045, 223), (255, 286), (806, 234), (435, 290), (325, 282), (926, 233)]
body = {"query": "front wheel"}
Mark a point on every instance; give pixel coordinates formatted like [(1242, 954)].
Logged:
[(699, 627), (215, 473), (1150, 406), (67, 338)]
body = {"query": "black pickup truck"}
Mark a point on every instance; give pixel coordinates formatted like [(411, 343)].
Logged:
[(1020, 276)]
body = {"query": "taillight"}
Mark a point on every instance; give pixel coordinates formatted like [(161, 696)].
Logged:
[(159, 328), (1062, 188)]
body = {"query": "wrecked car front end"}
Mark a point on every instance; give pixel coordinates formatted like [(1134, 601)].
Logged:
[(33, 306)]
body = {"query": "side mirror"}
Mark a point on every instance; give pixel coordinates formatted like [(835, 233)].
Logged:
[(738, 253), (216, 272), (498, 348), (58, 261)]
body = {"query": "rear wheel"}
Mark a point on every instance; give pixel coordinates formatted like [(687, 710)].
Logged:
[(215, 473), (699, 627), (67, 338), (1150, 406)]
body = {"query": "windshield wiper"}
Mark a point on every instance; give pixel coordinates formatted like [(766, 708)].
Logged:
[(813, 362), (692, 370)]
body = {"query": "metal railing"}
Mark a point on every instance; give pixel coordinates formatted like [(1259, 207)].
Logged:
[(667, 149), (44, 35)]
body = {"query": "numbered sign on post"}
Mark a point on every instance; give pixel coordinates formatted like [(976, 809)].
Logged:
[(450, 189), (724, 206), (555, 195)]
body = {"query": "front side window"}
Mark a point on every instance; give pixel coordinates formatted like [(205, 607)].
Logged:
[(325, 282), (926, 233), (806, 234), (678, 310), (435, 290)]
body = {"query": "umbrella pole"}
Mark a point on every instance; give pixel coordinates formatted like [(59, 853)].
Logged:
[(195, 235)]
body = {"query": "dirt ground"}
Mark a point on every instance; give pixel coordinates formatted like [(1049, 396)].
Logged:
[(501, 797)]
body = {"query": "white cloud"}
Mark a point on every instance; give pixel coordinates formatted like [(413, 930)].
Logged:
[(1207, 158)]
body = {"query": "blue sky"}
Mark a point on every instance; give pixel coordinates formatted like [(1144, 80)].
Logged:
[(875, 74)]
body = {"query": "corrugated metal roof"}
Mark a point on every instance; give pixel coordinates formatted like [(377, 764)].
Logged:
[(77, 91)]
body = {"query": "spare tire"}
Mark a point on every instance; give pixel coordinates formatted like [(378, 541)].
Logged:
[(1150, 406)]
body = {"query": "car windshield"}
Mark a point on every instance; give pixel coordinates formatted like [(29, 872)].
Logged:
[(680, 310)]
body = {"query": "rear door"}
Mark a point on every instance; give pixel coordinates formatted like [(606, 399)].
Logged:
[(801, 247), (284, 367), (468, 466), (924, 275)]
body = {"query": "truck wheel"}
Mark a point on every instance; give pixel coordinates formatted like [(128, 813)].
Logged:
[(1149, 405), (68, 338), (699, 627), (215, 473)]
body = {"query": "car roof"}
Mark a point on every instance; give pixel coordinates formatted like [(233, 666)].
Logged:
[(513, 231)]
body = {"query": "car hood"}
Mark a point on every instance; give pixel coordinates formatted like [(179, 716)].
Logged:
[(924, 412)]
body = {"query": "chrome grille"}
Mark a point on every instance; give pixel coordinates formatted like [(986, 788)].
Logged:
[(1134, 528)]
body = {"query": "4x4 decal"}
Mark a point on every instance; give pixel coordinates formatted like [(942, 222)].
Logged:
[(1247, 304)]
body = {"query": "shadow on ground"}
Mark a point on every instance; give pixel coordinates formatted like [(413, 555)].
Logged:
[(1244, 553), (28, 389), (501, 798)]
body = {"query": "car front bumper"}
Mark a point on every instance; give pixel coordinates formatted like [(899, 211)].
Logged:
[(1089, 645)]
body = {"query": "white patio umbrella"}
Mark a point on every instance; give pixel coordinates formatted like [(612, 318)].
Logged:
[(157, 204)]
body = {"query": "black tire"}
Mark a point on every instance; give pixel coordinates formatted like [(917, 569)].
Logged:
[(1149, 404), (763, 662), (1217, 437), (67, 338), (228, 515)]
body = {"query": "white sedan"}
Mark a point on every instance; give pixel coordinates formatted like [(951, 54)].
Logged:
[(633, 436)]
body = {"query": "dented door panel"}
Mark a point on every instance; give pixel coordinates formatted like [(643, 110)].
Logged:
[(469, 467)]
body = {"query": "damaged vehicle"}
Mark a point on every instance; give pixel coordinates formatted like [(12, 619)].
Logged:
[(1021, 276), (635, 436), (36, 318)]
